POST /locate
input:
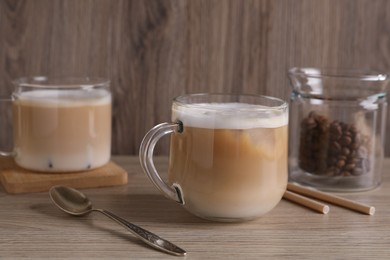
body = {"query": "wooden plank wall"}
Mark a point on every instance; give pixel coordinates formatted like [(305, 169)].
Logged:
[(153, 50)]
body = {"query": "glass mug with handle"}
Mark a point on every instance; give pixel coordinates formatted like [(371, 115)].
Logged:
[(228, 155), (61, 124)]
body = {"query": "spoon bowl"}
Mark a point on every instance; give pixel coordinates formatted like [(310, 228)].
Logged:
[(76, 203), (70, 200)]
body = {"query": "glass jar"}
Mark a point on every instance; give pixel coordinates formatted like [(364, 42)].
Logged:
[(337, 127)]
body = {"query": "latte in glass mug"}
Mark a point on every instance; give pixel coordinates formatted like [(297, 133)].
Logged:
[(62, 131), (61, 124), (229, 166), (228, 155)]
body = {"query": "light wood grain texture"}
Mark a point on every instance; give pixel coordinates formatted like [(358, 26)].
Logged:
[(17, 180), (31, 227), (154, 50)]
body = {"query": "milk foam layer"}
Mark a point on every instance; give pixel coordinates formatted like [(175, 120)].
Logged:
[(74, 97), (229, 116)]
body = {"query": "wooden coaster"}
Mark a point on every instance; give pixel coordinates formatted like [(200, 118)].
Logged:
[(17, 180)]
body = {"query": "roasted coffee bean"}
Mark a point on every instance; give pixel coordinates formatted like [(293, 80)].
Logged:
[(345, 151), (348, 133), (350, 166), (352, 160), (346, 140), (353, 129), (340, 163), (335, 128), (332, 148)]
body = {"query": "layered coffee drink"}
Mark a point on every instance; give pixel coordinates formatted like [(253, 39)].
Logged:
[(230, 160), (62, 130)]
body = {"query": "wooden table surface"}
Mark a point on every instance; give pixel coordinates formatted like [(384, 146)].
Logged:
[(32, 227)]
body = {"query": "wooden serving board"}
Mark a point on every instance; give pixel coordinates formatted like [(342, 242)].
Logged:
[(17, 180)]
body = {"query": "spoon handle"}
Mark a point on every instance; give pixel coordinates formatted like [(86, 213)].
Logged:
[(146, 236)]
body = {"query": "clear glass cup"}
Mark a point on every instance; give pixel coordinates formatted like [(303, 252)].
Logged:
[(337, 128), (228, 155), (61, 124)]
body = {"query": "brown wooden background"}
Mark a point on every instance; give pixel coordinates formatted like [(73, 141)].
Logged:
[(153, 50)]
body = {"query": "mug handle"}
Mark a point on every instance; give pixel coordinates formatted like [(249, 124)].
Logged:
[(146, 159), (6, 100)]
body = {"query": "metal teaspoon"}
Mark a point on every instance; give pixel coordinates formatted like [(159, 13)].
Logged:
[(76, 203)]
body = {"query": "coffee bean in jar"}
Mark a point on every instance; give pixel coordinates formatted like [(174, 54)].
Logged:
[(337, 126), (332, 148)]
